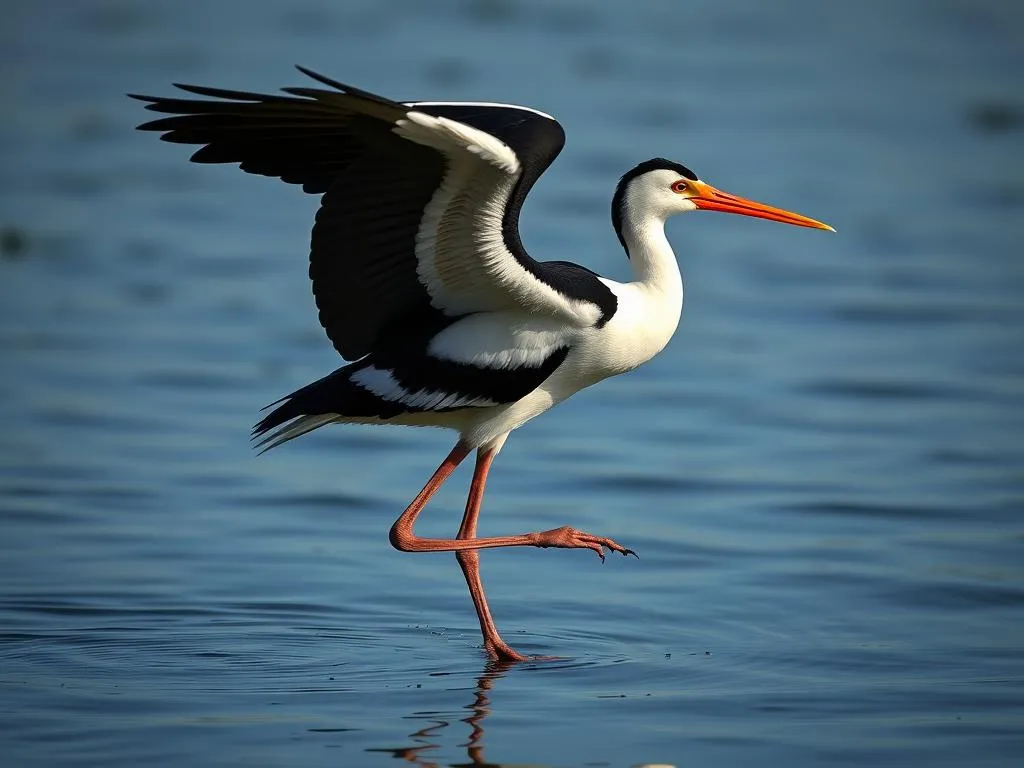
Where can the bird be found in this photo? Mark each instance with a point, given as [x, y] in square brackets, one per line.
[423, 285]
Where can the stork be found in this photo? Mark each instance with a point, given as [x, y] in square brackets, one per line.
[423, 283]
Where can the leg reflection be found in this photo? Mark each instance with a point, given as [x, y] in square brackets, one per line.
[426, 740]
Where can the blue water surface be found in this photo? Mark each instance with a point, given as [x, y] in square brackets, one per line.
[823, 474]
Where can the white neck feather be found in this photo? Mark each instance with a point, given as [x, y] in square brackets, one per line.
[650, 307]
[653, 261]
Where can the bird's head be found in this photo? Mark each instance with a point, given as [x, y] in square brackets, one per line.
[661, 188]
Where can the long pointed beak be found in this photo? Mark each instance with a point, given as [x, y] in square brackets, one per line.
[710, 199]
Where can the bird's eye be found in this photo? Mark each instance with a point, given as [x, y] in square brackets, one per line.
[680, 187]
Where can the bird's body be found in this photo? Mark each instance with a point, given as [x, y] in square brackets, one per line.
[562, 359]
[422, 281]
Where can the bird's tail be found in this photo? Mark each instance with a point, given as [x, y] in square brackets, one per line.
[334, 398]
[265, 436]
[296, 414]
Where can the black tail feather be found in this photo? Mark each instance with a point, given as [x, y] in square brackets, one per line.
[333, 394]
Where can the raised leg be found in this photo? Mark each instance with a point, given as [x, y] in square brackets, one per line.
[469, 561]
[404, 538]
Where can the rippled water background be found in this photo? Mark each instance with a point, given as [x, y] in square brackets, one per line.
[823, 474]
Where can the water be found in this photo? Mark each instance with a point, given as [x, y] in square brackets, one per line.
[822, 474]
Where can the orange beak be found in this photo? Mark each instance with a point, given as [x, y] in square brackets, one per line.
[708, 198]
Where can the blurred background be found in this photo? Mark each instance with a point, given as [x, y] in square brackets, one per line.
[823, 473]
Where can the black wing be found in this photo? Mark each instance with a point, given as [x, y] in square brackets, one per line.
[421, 206]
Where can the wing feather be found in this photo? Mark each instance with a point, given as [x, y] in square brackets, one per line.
[419, 216]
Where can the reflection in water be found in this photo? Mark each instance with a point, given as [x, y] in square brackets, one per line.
[425, 738]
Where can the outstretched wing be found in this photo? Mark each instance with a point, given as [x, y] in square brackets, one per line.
[420, 210]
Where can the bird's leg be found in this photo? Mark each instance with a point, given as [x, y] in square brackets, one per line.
[403, 538]
[469, 561]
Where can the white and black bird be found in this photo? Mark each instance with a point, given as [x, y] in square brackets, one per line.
[422, 281]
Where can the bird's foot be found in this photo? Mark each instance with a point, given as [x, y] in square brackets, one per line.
[569, 538]
[502, 652]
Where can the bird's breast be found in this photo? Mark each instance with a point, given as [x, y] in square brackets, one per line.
[641, 327]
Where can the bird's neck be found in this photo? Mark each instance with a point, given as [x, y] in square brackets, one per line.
[653, 262]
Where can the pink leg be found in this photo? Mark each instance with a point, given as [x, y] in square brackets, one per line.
[469, 560]
[403, 537]
[466, 544]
